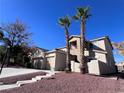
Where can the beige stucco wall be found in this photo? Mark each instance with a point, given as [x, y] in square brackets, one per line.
[38, 59]
[76, 51]
[56, 60]
[106, 59]
[101, 57]
[101, 65]
[51, 58]
[38, 53]
[63, 49]
[60, 60]
[37, 64]
[52, 54]
[110, 57]
[93, 67]
[75, 66]
[100, 44]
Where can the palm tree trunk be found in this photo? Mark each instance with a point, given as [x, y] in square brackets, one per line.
[82, 56]
[68, 63]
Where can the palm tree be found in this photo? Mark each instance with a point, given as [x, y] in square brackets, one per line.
[65, 23]
[82, 15]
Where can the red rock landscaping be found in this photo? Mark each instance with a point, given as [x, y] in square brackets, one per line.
[71, 83]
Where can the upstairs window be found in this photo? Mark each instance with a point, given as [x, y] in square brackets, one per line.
[73, 44]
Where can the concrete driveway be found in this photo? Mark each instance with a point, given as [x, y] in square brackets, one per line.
[7, 72]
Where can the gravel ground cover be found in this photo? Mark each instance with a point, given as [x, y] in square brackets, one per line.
[71, 83]
[14, 79]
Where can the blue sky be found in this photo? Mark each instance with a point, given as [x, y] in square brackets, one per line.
[41, 18]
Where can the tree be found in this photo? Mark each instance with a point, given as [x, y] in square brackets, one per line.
[65, 23]
[2, 48]
[5, 42]
[1, 34]
[81, 15]
[2, 52]
[17, 33]
[16, 36]
[119, 47]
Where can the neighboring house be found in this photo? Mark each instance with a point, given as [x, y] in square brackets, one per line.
[120, 66]
[98, 56]
[48, 60]
[38, 58]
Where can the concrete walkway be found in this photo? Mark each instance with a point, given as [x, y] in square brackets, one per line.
[7, 72]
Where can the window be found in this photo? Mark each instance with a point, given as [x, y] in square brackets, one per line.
[73, 44]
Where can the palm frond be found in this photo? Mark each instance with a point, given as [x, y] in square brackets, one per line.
[65, 21]
[83, 12]
[75, 17]
[87, 16]
[61, 22]
[86, 9]
[80, 11]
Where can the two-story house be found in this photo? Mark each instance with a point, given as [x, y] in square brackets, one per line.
[98, 56]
